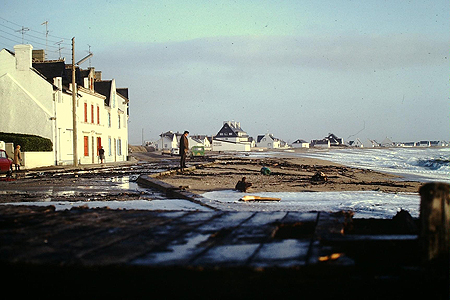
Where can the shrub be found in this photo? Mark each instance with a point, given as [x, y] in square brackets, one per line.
[27, 142]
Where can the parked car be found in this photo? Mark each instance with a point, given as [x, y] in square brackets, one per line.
[5, 162]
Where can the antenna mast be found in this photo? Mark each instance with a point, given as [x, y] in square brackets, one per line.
[59, 46]
[46, 39]
[23, 30]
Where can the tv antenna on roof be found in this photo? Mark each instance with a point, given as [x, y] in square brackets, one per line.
[59, 47]
[23, 30]
[46, 37]
[89, 52]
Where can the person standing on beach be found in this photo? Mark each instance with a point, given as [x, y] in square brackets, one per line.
[17, 157]
[184, 148]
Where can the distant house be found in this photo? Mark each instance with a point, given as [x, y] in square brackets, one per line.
[330, 140]
[356, 143]
[300, 144]
[231, 137]
[387, 143]
[437, 143]
[167, 141]
[269, 141]
[424, 144]
[408, 144]
[324, 143]
[334, 140]
[200, 140]
[370, 143]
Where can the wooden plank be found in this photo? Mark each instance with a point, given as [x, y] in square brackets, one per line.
[435, 221]
[258, 198]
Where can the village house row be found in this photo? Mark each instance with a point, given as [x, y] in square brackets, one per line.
[36, 98]
[231, 137]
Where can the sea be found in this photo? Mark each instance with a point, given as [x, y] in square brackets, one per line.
[417, 164]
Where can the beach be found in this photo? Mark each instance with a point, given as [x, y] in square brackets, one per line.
[287, 174]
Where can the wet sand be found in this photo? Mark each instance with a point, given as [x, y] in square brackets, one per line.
[288, 175]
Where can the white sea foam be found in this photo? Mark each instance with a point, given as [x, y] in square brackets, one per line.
[367, 204]
[419, 164]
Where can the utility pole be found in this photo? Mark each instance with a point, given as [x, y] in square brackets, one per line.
[74, 108]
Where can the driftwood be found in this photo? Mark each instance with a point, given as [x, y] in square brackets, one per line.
[434, 219]
[258, 198]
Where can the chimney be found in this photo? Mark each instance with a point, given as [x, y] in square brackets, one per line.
[23, 55]
[98, 75]
[38, 55]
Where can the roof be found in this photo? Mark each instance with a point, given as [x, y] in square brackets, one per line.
[229, 131]
[51, 70]
[104, 88]
[123, 92]
[299, 141]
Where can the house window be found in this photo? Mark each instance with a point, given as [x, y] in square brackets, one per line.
[98, 114]
[85, 112]
[86, 146]
[119, 147]
[109, 119]
[92, 113]
[118, 120]
[109, 146]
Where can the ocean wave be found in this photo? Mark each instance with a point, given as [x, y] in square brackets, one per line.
[429, 164]
[434, 164]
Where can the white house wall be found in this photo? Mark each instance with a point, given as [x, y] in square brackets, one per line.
[111, 133]
[30, 105]
[221, 145]
[26, 99]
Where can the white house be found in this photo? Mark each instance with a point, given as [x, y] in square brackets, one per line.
[36, 98]
[370, 143]
[300, 144]
[356, 143]
[270, 142]
[424, 144]
[231, 137]
[387, 142]
[167, 141]
[199, 140]
[324, 143]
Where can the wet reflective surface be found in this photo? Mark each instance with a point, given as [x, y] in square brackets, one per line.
[96, 184]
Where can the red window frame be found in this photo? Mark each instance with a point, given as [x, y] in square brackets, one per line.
[86, 146]
[85, 112]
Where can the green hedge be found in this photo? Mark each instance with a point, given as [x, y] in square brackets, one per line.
[27, 142]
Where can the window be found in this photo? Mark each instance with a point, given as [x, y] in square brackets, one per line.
[92, 113]
[109, 119]
[86, 146]
[109, 146]
[119, 147]
[85, 112]
[118, 121]
[98, 114]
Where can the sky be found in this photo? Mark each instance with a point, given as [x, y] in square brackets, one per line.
[298, 69]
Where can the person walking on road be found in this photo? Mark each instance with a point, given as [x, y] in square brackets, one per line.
[101, 154]
[17, 157]
[184, 148]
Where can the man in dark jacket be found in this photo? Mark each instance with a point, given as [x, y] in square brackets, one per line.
[184, 148]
